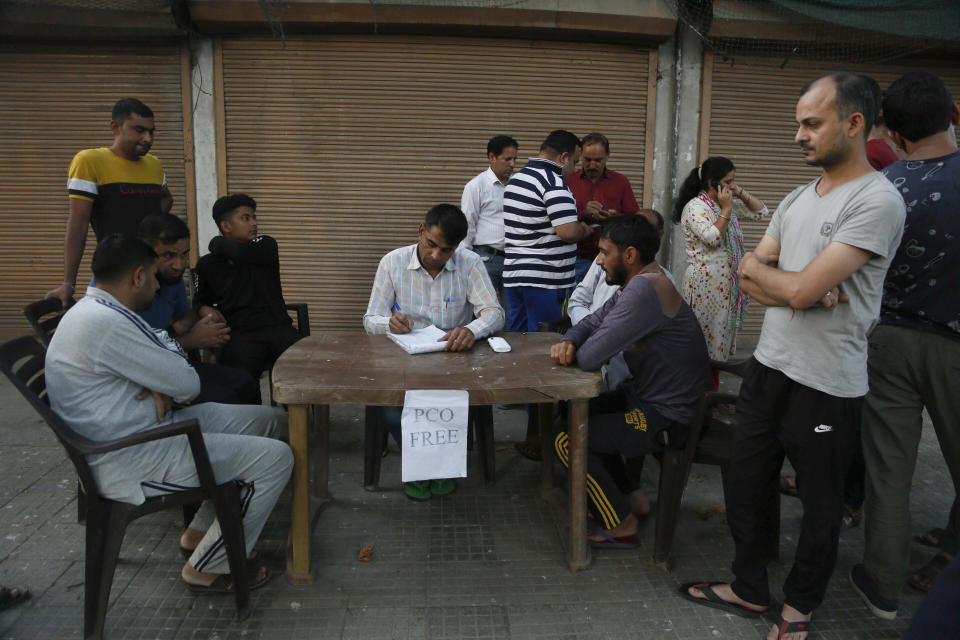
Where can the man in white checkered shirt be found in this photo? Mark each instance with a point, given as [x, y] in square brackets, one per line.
[433, 282]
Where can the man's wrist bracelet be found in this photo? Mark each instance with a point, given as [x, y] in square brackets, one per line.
[67, 284]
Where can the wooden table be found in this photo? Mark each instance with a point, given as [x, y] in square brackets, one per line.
[354, 368]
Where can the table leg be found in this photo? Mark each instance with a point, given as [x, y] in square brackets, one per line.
[578, 555]
[545, 425]
[298, 556]
[321, 448]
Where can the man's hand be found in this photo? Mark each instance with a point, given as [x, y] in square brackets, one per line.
[594, 211]
[459, 339]
[63, 293]
[563, 353]
[162, 402]
[832, 298]
[205, 311]
[400, 323]
[207, 332]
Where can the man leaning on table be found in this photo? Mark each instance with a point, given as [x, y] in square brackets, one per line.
[433, 282]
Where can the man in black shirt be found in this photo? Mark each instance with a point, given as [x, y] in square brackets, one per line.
[241, 278]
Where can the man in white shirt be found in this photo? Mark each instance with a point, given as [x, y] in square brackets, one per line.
[482, 204]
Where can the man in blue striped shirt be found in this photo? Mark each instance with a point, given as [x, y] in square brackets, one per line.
[541, 232]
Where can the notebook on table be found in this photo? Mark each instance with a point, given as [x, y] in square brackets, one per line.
[423, 340]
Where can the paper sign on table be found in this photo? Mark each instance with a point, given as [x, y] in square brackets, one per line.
[423, 340]
[434, 429]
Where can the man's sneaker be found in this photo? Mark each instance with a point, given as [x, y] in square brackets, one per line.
[865, 588]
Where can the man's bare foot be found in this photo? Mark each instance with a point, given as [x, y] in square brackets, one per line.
[192, 576]
[190, 538]
[639, 503]
[790, 615]
[727, 595]
[627, 527]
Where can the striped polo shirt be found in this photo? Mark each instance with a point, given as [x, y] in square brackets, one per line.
[535, 201]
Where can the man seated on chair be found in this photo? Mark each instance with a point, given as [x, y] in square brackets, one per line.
[109, 375]
[199, 328]
[240, 277]
[666, 356]
[433, 282]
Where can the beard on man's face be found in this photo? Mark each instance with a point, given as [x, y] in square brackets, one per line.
[617, 275]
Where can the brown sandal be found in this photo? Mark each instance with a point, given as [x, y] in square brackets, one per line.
[224, 582]
[923, 578]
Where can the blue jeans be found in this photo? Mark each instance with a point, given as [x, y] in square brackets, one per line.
[529, 306]
[581, 267]
[493, 263]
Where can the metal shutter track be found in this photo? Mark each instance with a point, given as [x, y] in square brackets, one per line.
[752, 122]
[55, 101]
[345, 142]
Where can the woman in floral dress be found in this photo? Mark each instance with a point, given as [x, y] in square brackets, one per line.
[713, 239]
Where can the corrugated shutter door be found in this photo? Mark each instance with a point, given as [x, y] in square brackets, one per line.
[345, 142]
[752, 122]
[55, 101]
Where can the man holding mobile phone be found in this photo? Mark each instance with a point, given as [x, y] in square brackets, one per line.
[601, 194]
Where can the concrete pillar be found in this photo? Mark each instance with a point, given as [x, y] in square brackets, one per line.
[204, 137]
[677, 133]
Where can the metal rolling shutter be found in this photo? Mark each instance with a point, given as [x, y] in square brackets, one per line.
[55, 101]
[751, 120]
[345, 142]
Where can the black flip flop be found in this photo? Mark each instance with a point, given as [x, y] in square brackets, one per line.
[715, 601]
[798, 626]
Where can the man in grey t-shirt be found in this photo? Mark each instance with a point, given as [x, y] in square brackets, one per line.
[820, 267]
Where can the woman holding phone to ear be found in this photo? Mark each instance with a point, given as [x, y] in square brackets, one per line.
[707, 208]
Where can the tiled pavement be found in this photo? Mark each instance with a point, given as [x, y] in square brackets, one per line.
[484, 562]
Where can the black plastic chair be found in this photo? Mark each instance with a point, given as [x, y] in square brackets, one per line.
[708, 442]
[44, 316]
[375, 440]
[22, 361]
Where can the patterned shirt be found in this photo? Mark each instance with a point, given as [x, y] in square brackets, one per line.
[460, 291]
[535, 201]
[922, 284]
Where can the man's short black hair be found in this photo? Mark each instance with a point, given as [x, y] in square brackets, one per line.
[498, 143]
[225, 206]
[162, 228]
[633, 231]
[117, 255]
[126, 107]
[853, 96]
[596, 138]
[918, 105]
[452, 222]
[561, 141]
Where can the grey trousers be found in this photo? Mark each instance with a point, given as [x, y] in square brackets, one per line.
[909, 370]
[240, 446]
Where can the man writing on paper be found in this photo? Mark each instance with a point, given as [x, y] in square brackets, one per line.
[433, 282]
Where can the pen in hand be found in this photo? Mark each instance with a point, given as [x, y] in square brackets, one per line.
[399, 323]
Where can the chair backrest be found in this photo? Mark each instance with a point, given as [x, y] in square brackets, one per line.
[44, 316]
[23, 362]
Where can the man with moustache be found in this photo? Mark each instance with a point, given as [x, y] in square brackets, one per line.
[601, 194]
[666, 355]
[199, 328]
[112, 188]
[820, 269]
[482, 204]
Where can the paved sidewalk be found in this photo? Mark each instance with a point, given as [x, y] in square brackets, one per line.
[484, 562]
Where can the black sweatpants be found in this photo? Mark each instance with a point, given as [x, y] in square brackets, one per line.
[226, 385]
[256, 351]
[818, 433]
[619, 428]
